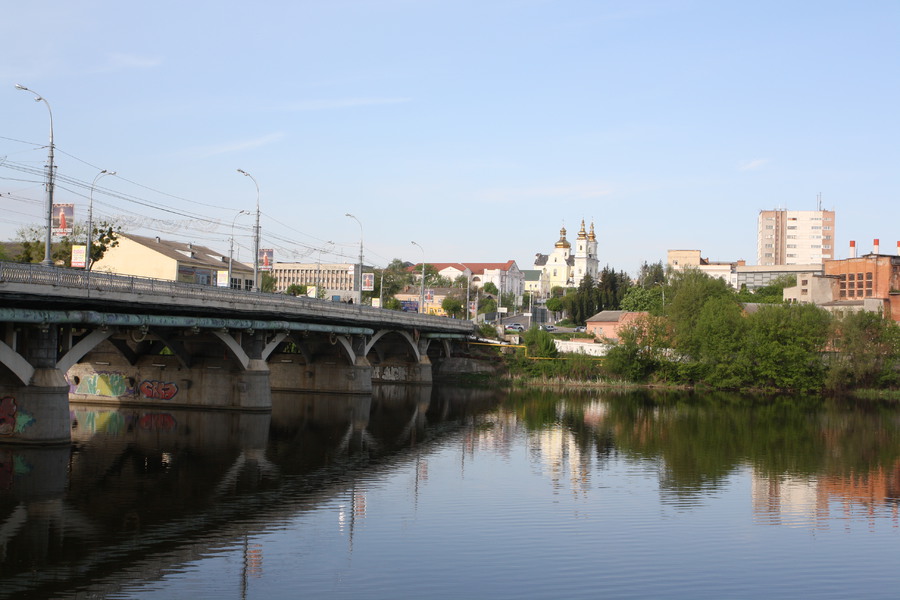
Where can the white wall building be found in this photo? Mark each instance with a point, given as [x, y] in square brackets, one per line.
[795, 237]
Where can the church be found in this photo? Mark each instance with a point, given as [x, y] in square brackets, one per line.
[565, 268]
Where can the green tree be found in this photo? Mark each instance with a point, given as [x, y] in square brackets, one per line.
[296, 289]
[866, 352]
[721, 331]
[640, 352]
[783, 347]
[612, 288]
[491, 288]
[540, 343]
[651, 274]
[689, 290]
[454, 307]
[773, 293]
[267, 282]
[32, 239]
[638, 298]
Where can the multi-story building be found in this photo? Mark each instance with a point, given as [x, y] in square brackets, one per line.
[507, 276]
[565, 268]
[329, 280]
[870, 282]
[795, 237]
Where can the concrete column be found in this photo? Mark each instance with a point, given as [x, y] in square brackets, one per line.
[37, 413]
[253, 390]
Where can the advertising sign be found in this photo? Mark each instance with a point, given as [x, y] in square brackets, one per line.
[222, 279]
[429, 295]
[409, 306]
[63, 219]
[368, 283]
[78, 256]
[266, 259]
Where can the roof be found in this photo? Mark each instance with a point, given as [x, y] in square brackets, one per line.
[475, 268]
[532, 274]
[540, 259]
[186, 254]
[608, 316]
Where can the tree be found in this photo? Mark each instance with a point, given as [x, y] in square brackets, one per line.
[641, 350]
[773, 293]
[267, 282]
[491, 288]
[721, 331]
[454, 307]
[540, 343]
[296, 289]
[612, 288]
[32, 239]
[689, 290]
[643, 299]
[866, 352]
[651, 274]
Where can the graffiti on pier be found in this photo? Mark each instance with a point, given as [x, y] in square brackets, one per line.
[158, 390]
[12, 420]
[103, 384]
[157, 422]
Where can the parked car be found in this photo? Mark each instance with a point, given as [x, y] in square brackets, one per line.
[549, 327]
[516, 326]
[580, 329]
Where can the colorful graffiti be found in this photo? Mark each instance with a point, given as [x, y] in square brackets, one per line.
[158, 390]
[12, 420]
[103, 384]
[157, 422]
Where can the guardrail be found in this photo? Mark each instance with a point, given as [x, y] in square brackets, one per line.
[40, 275]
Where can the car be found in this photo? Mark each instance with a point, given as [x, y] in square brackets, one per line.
[549, 328]
[516, 326]
[580, 329]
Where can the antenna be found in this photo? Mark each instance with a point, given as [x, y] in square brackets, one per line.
[819, 201]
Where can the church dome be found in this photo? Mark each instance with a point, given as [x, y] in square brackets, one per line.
[563, 243]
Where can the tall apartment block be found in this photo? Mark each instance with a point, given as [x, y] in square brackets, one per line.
[795, 237]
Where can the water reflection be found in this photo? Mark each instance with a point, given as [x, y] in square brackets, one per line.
[141, 493]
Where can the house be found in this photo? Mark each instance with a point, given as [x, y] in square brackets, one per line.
[507, 276]
[434, 297]
[607, 323]
[565, 268]
[172, 261]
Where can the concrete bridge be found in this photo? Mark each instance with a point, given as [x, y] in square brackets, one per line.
[66, 334]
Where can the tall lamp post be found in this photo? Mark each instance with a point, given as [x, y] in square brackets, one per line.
[49, 238]
[422, 285]
[231, 245]
[255, 235]
[359, 280]
[90, 224]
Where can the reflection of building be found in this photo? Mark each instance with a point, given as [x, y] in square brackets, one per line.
[172, 261]
[795, 237]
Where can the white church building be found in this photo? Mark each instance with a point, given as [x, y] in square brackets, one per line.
[566, 267]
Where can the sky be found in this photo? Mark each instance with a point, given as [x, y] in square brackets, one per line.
[476, 129]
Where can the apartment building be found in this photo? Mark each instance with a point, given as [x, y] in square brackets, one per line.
[795, 237]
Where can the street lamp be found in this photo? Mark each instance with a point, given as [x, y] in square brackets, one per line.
[255, 235]
[90, 226]
[422, 286]
[360, 254]
[231, 245]
[49, 238]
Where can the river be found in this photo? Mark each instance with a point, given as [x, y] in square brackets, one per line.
[416, 492]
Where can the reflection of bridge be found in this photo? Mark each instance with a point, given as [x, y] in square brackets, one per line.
[100, 337]
[147, 490]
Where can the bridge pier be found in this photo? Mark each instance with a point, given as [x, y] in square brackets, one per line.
[34, 396]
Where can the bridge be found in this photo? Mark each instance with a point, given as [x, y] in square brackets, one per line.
[67, 334]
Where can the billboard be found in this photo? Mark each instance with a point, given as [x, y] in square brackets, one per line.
[63, 219]
[266, 259]
[409, 306]
[78, 256]
[222, 279]
[429, 295]
[368, 282]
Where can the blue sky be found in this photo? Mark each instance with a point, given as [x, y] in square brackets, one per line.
[475, 128]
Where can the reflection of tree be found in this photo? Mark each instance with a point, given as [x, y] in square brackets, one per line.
[699, 440]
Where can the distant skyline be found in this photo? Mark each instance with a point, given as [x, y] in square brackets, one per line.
[476, 129]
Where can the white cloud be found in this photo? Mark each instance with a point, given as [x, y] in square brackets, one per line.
[229, 147]
[752, 165]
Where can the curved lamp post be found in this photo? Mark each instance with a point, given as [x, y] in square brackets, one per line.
[231, 245]
[358, 282]
[255, 235]
[422, 286]
[90, 224]
[49, 238]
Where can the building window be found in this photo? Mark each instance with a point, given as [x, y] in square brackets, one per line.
[869, 276]
[868, 292]
[792, 227]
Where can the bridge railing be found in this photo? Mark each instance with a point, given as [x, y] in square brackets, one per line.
[24, 273]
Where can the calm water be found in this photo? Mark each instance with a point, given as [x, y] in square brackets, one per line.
[421, 493]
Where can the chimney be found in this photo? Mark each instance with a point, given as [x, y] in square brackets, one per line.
[852, 248]
[875, 242]
[898, 248]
